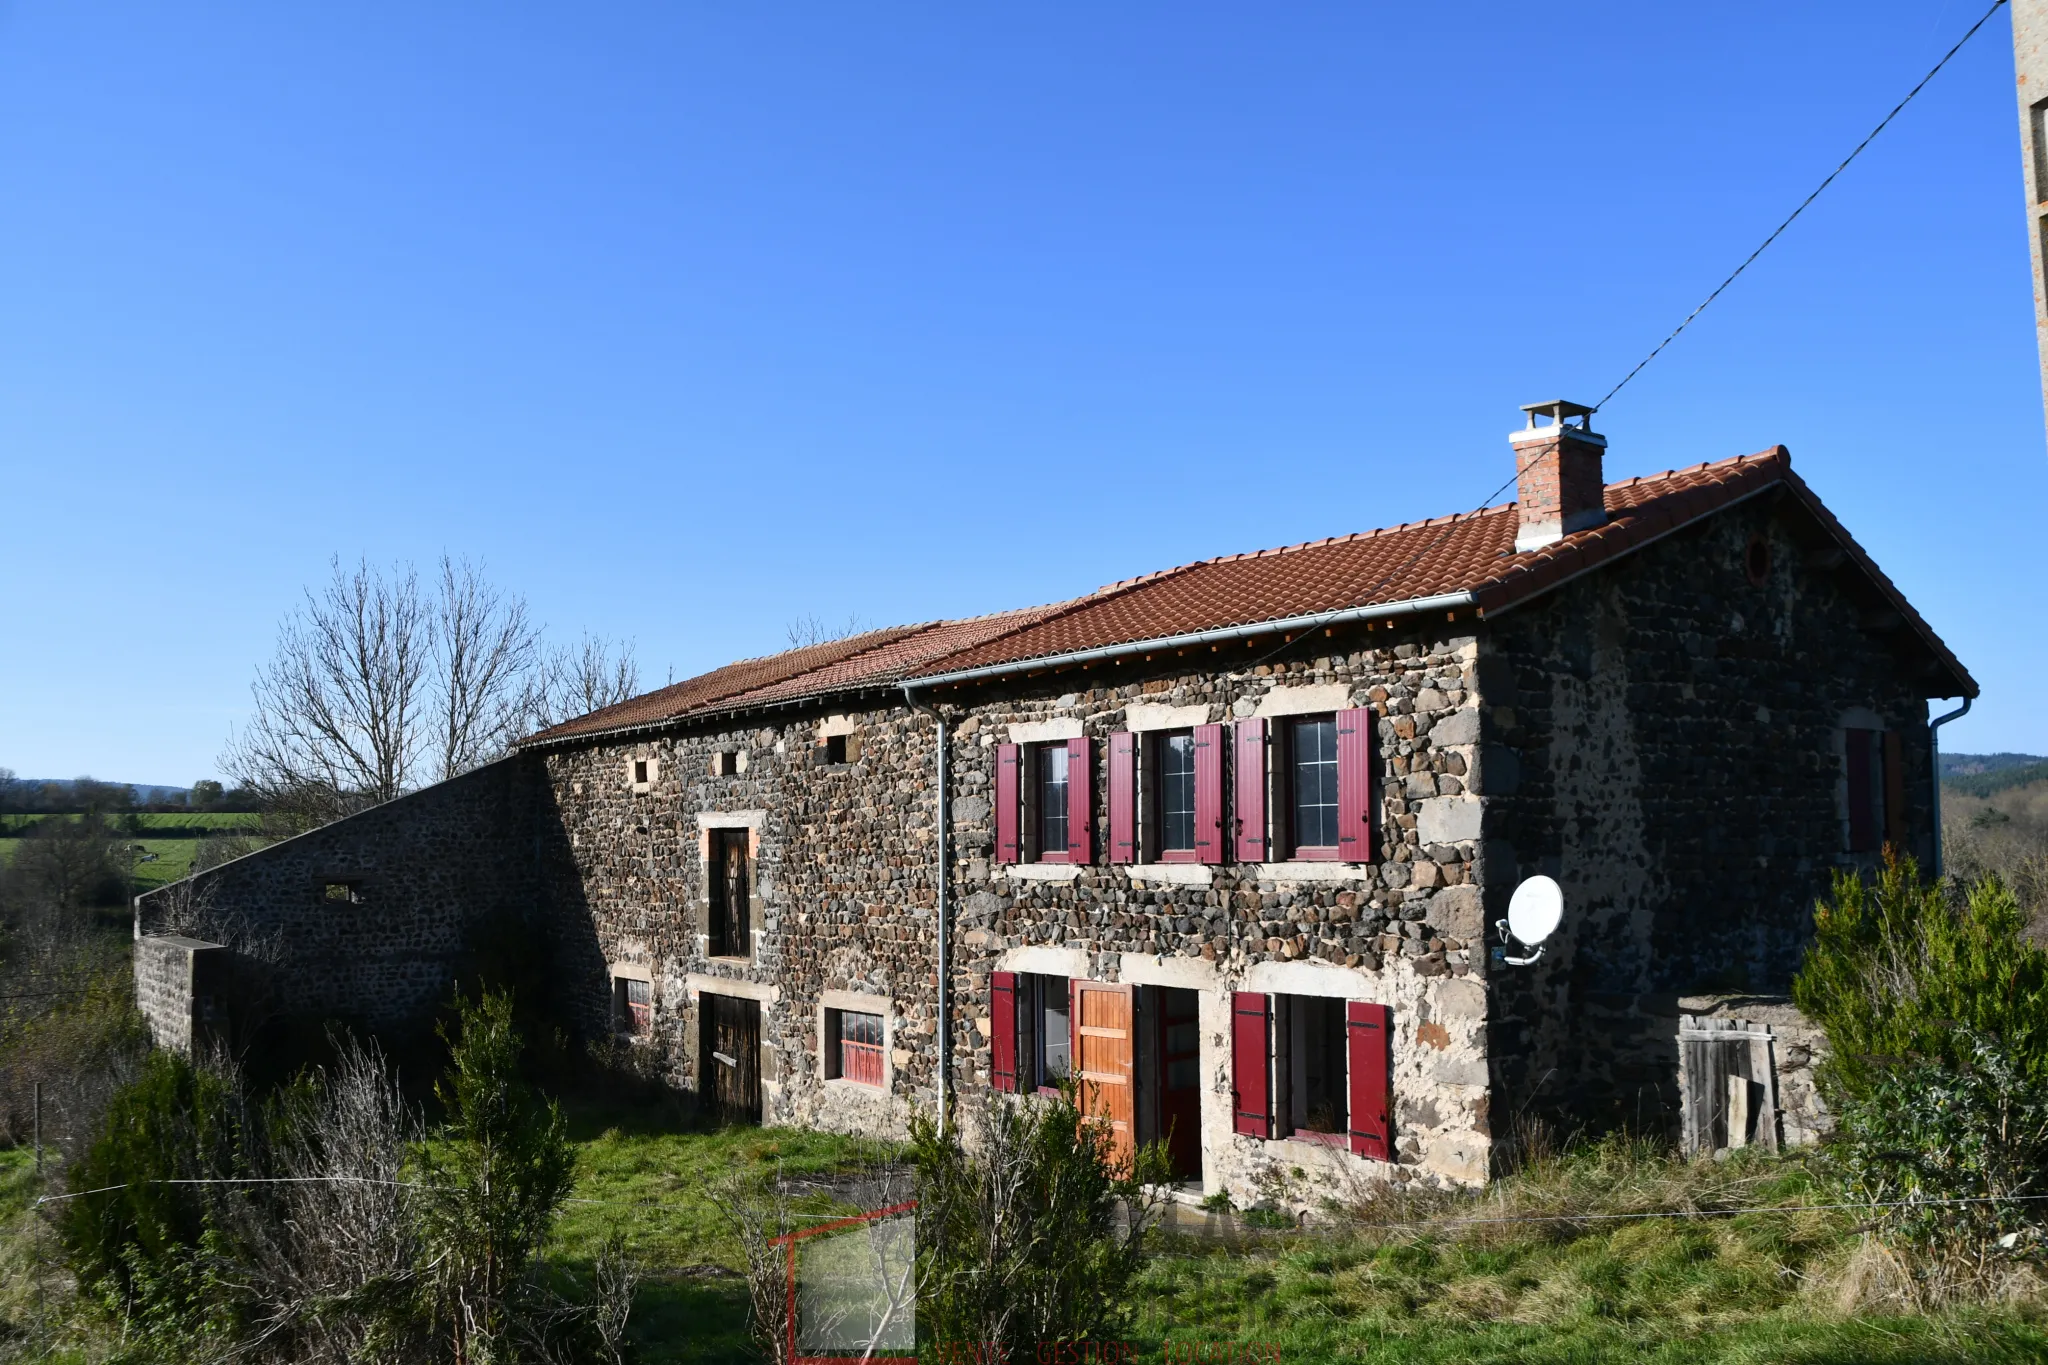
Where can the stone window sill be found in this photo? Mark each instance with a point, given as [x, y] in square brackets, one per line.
[837, 1084]
[1044, 872]
[1308, 872]
[1172, 874]
[1338, 1141]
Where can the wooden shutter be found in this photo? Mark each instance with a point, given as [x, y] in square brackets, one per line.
[1002, 1031]
[1081, 800]
[1862, 827]
[1248, 791]
[1369, 1067]
[1102, 1061]
[1354, 785]
[1894, 791]
[1009, 766]
[1209, 845]
[1123, 797]
[1251, 1052]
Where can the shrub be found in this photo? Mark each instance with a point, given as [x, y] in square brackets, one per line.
[1035, 1237]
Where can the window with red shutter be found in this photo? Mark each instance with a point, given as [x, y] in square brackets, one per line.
[1251, 1053]
[1370, 1063]
[1080, 800]
[1123, 797]
[1865, 791]
[1248, 791]
[1009, 761]
[1002, 1032]
[1894, 791]
[1209, 845]
[1354, 785]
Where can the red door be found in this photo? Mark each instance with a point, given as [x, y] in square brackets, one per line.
[1180, 1081]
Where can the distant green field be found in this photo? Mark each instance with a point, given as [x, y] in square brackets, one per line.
[12, 825]
[173, 855]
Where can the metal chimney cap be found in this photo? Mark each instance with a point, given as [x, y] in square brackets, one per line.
[1559, 412]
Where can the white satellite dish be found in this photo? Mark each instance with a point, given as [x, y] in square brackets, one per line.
[1533, 915]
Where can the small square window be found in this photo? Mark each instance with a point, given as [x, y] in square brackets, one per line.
[725, 764]
[632, 1006]
[834, 750]
[643, 773]
[853, 1047]
[640, 771]
[342, 893]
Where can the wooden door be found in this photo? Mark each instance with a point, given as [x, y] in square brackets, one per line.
[729, 1076]
[1180, 1081]
[729, 926]
[1102, 1060]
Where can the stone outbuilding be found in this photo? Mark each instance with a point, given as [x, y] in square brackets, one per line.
[1226, 842]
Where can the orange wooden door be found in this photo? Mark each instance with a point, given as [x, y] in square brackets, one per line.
[1102, 1060]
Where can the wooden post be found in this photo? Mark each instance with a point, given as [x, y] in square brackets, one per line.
[1738, 1111]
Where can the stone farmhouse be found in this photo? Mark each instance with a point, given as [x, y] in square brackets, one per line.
[1226, 842]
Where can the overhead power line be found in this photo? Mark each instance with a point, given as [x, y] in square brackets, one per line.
[1779, 231]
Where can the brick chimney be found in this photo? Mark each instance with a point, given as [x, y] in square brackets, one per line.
[1559, 488]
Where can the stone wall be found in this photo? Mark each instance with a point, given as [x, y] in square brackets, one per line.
[1664, 737]
[433, 884]
[170, 990]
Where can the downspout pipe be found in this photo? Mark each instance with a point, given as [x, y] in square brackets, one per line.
[1934, 758]
[945, 1035]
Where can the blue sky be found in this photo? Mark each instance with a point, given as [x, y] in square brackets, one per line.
[692, 320]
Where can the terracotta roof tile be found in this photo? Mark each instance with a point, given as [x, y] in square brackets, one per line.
[1471, 553]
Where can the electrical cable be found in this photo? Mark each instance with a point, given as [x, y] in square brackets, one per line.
[1779, 230]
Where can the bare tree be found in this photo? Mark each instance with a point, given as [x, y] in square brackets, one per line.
[594, 673]
[810, 629]
[486, 653]
[339, 707]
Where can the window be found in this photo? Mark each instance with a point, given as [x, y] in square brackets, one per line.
[1312, 783]
[643, 773]
[1314, 1069]
[1176, 769]
[632, 1006]
[1873, 763]
[728, 894]
[726, 763]
[835, 749]
[1049, 785]
[344, 893]
[853, 1047]
[1045, 1033]
[1756, 560]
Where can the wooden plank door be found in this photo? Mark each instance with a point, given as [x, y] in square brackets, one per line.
[1102, 1060]
[731, 1067]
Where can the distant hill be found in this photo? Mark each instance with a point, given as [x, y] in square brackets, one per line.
[1982, 775]
[145, 792]
[1964, 765]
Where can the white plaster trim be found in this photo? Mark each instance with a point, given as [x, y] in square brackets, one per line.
[1313, 978]
[1039, 731]
[1311, 872]
[1173, 874]
[835, 725]
[1042, 961]
[1140, 716]
[696, 983]
[708, 820]
[631, 971]
[1043, 872]
[1184, 973]
[1305, 700]
[857, 1002]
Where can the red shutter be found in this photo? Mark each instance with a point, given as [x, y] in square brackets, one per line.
[1370, 1069]
[1862, 828]
[1009, 759]
[1002, 1031]
[1209, 845]
[1123, 797]
[1354, 785]
[1894, 791]
[1250, 1052]
[1080, 800]
[1249, 794]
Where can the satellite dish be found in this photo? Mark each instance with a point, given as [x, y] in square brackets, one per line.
[1533, 915]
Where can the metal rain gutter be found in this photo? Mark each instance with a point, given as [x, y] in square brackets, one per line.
[1934, 757]
[1449, 601]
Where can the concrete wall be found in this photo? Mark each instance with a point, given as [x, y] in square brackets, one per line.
[1664, 737]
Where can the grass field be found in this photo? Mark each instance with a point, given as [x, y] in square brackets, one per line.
[173, 836]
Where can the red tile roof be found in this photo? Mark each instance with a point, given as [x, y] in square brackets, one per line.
[1470, 555]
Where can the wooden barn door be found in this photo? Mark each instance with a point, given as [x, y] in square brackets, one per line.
[1102, 1060]
[731, 1069]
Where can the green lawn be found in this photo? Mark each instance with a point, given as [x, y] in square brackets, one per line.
[173, 855]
